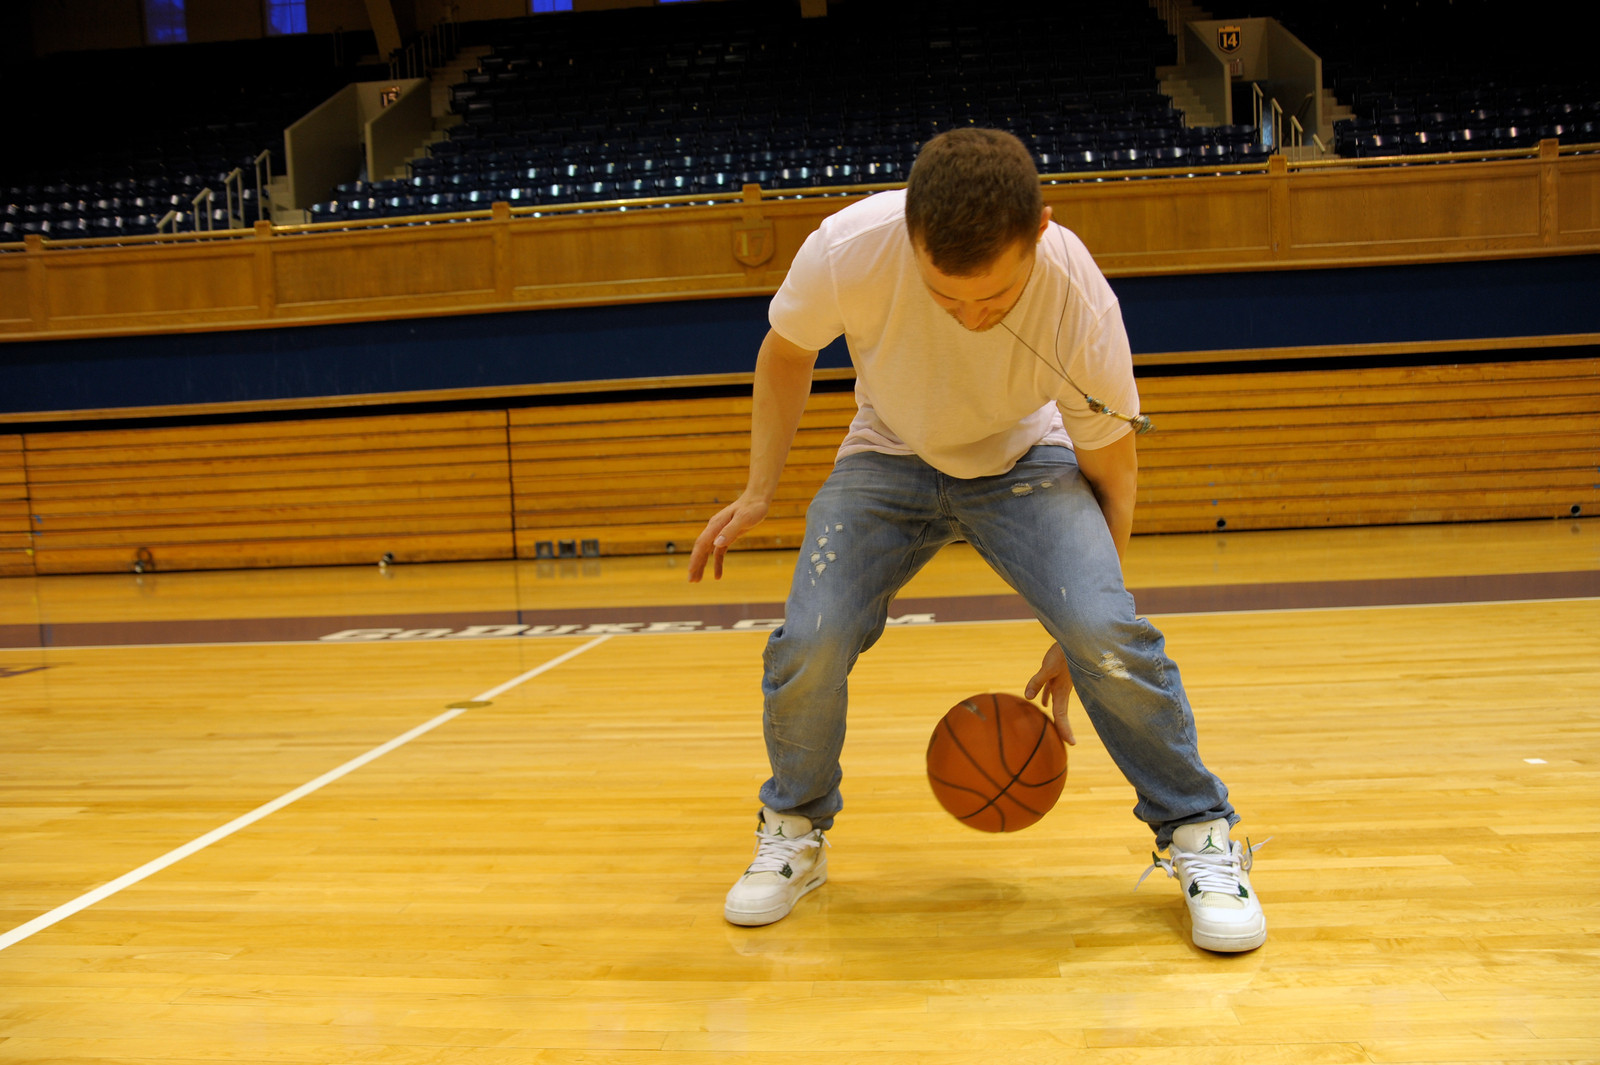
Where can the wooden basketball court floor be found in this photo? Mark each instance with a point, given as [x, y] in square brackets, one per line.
[487, 813]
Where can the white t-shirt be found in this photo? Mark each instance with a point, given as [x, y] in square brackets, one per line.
[969, 404]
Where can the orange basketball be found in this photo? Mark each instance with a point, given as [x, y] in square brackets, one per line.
[996, 763]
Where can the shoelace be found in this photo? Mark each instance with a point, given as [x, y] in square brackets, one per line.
[1212, 872]
[775, 852]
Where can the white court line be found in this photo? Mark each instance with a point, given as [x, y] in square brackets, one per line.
[105, 891]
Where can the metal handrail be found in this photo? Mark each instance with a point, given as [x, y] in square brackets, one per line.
[161, 238]
[203, 194]
[429, 49]
[708, 199]
[1487, 155]
[233, 193]
[256, 165]
[724, 199]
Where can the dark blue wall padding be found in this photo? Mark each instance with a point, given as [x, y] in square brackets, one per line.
[1372, 305]
[1195, 312]
[407, 355]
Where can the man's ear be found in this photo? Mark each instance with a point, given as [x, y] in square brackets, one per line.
[1044, 223]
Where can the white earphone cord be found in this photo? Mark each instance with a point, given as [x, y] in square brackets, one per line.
[1141, 424]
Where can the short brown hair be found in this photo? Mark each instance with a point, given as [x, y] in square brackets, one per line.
[973, 193]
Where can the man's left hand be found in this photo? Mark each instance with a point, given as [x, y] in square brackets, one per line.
[1054, 680]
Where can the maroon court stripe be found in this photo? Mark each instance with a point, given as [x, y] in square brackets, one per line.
[1294, 595]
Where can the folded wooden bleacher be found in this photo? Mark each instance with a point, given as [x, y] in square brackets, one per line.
[1242, 450]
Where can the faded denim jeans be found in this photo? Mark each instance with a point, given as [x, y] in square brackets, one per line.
[879, 519]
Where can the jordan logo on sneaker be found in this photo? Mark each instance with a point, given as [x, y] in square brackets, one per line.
[787, 872]
[1194, 890]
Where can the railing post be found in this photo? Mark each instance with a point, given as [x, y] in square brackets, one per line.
[231, 185]
[1549, 220]
[261, 202]
[1278, 204]
[265, 275]
[500, 214]
[38, 283]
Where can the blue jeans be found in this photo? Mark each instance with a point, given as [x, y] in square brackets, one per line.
[879, 519]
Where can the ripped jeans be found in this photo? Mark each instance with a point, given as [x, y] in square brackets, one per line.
[879, 519]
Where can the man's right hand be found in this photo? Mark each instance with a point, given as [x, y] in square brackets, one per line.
[729, 523]
[778, 398]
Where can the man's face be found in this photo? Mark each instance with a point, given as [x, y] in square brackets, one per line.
[980, 302]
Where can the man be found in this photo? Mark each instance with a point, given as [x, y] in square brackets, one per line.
[972, 320]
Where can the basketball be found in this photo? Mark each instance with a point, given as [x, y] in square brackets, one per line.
[996, 763]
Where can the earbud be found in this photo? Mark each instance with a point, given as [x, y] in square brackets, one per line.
[1141, 424]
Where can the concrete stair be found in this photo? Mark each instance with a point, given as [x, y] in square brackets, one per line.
[453, 73]
[440, 80]
[1179, 91]
[276, 193]
[1332, 111]
[1184, 98]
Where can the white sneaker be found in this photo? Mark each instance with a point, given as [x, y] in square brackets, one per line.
[790, 861]
[1224, 912]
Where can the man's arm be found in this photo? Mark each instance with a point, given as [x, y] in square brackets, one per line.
[1113, 473]
[782, 385]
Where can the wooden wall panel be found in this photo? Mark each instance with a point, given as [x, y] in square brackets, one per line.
[576, 259]
[16, 541]
[1419, 208]
[1210, 220]
[103, 287]
[16, 311]
[429, 487]
[1578, 203]
[319, 274]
